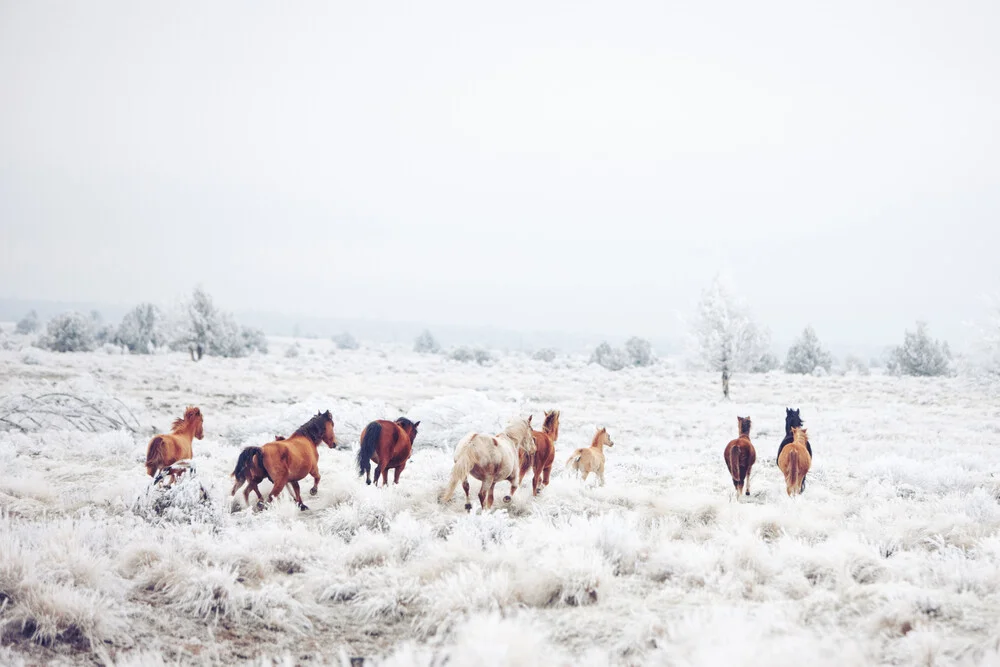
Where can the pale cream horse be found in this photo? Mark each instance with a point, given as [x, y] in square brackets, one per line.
[490, 459]
[591, 459]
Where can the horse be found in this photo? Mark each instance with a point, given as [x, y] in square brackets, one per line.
[285, 461]
[388, 444]
[545, 452]
[794, 462]
[490, 459]
[591, 459]
[792, 420]
[740, 457]
[165, 449]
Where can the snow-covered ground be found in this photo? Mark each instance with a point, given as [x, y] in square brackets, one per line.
[891, 556]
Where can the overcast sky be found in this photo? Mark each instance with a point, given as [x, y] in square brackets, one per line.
[536, 165]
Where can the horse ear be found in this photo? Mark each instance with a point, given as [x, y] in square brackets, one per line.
[416, 424]
[529, 418]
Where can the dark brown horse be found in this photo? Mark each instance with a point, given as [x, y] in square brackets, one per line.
[388, 444]
[740, 457]
[545, 452]
[285, 461]
[166, 449]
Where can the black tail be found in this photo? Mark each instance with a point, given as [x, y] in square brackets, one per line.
[369, 441]
[244, 462]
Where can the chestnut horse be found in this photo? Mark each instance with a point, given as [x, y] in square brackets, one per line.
[165, 450]
[388, 444]
[591, 459]
[794, 462]
[740, 457]
[792, 420]
[545, 452]
[285, 461]
[490, 459]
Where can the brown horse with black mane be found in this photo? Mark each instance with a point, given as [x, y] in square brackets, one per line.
[545, 452]
[740, 456]
[794, 461]
[165, 450]
[388, 444]
[285, 461]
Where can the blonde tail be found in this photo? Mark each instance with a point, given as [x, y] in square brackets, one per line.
[459, 473]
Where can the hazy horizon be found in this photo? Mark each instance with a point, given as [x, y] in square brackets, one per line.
[559, 167]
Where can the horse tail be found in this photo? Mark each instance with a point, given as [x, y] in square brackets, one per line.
[734, 465]
[245, 463]
[369, 441]
[793, 472]
[573, 461]
[463, 466]
[154, 455]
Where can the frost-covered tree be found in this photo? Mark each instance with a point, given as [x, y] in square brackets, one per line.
[920, 355]
[611, 358]
[855, 364]
[203, 328]
[639, 351]
[984, 359]
[426, 343]
[545, 354]
[69, 332]
[806, 355]
[462, 354]
[141, 330]
[28, 324]
[345, 341]
[726, 339]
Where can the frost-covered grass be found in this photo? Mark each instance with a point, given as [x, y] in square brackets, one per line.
[891, 556]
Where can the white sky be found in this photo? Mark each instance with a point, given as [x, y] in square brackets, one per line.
[532, 165]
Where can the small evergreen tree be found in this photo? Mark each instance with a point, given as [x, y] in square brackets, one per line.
[426, 343]
[141, 330]
[920, 355]
[345, 341]
[639, 351]
[545, 354]
[69, 332]
[806, 355]
[609, 357]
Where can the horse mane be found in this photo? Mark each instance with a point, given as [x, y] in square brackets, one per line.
[597, 436]
[181, 423]
[800, 435]
[550, 419]
[745, 427]
[314, 428]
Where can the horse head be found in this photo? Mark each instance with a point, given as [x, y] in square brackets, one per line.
[603, 438]
[329, 437]
[193, 416]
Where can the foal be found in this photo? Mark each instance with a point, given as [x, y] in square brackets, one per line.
[167, 449]
[545, 452]
[794, 462]
[740, 457]
[591, 459]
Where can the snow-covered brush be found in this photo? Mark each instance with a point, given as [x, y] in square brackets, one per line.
[185, 501]
[59, 410]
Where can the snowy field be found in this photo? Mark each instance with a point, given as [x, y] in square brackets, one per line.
[892, 556]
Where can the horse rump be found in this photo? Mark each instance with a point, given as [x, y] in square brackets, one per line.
[154, 455]
[249, 464]
[369, 442]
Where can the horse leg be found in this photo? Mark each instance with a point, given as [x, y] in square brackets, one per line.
[514, 480]
[378, 472]
[536, 481]
[600, 474]
[280, 480]
[298, 495]
[746, 480]
[397, 472]
[489, 497]
[545, 475]
[482, 493]
[385, 475]
[315, 475]
[468, 501]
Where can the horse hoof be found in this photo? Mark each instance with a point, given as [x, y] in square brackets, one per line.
[368, 482]
[468, 507]
[260, 505]
[313, 492]
[506, 499]
[302, 506]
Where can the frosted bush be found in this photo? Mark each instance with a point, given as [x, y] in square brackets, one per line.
[482, 356]
[346, 341]
[462, 354]
[69, 332]
[200, 325]
[426, 343]
[806, 355]
[639, 351]
[545, 354]
[28, 324]
[609, 357]
[920, 355]
[855, 364]
[292, 351]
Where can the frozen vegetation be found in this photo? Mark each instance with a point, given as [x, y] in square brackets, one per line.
[892, 556]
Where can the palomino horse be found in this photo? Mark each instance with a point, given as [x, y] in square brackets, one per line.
[794, 462]
[490, 459]
[285, 461]
[545, 452]
[591, 459]
[388, 444]
[792, 420]
[740, 457]
[167, 449]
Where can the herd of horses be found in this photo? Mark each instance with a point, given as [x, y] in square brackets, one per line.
[504, 457]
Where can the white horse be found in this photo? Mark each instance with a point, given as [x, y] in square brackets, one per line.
[490, 459]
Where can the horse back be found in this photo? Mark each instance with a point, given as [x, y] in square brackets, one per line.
[396, 442]
[545, 450]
